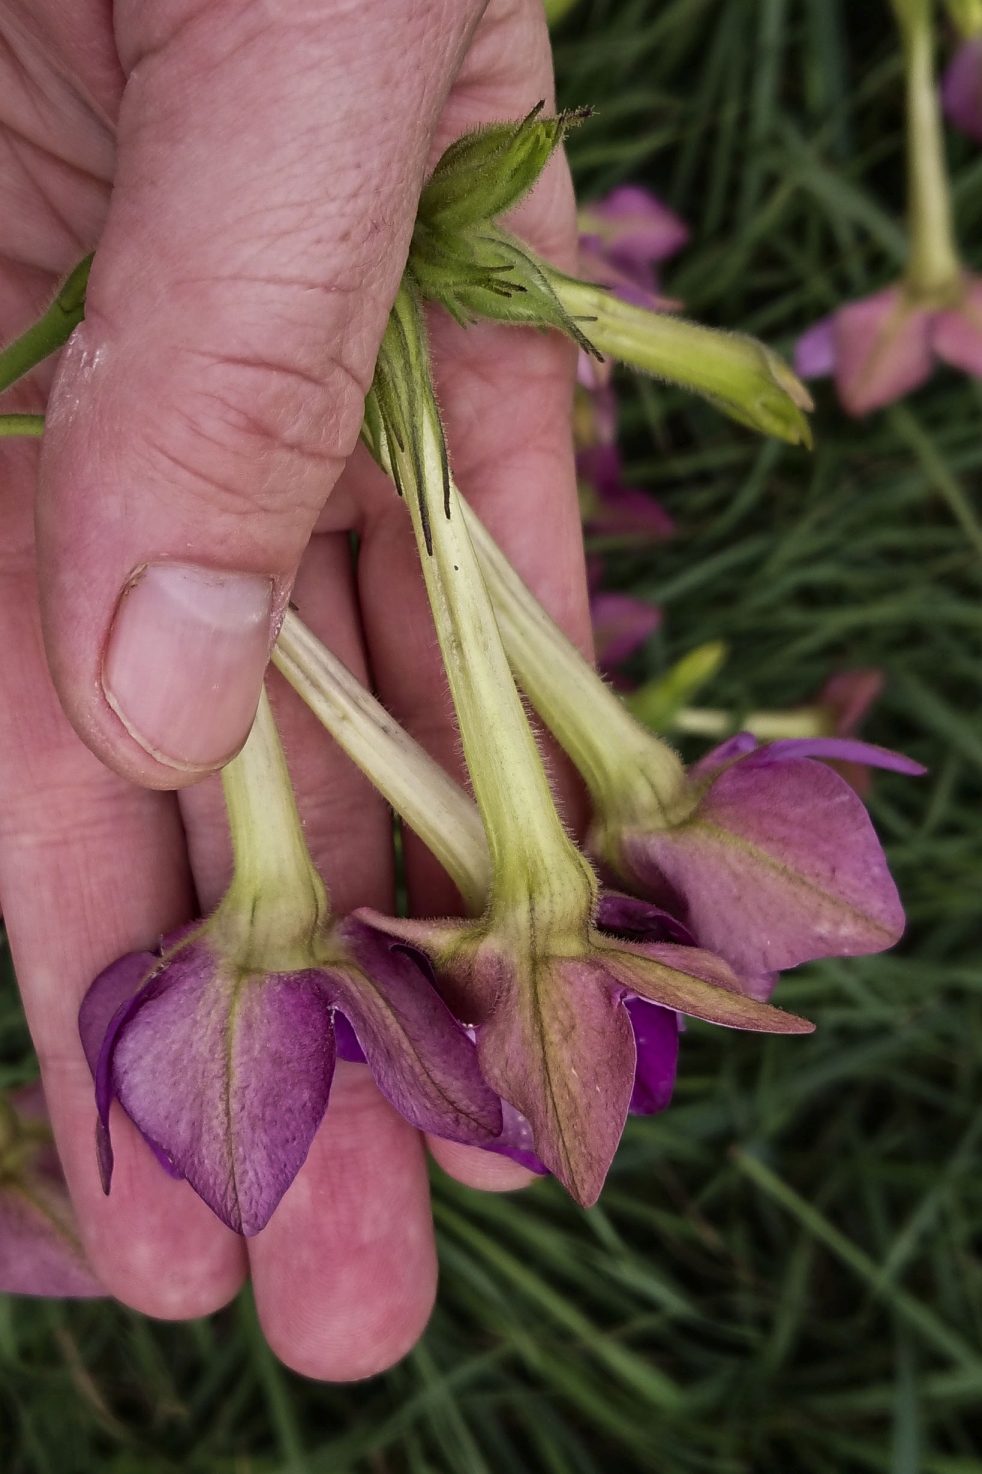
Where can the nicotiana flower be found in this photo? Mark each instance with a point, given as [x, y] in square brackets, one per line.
[621, 625]
[766, 855]
[543, 987]
[40, 1252]
[880, 348]
[622, 237]
[442, 814]
[221, 1045]
[961, 86]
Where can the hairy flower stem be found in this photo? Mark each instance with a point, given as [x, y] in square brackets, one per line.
[588, 719]
[425, 797]
[534, 863]
[934, 269]
[736, 373]
[276, 903]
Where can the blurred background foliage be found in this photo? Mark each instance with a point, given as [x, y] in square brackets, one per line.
[783, 1273]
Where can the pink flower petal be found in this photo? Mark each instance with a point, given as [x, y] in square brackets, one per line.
[882, 350]
[814, 352]
[957, 332]
[961, 89]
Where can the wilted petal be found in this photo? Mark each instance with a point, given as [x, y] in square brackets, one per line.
[421, 1058]
[882, 350]
[656, 1038]
[229, 1076]
[621, 625]
[814, 352]
[40, 1252]
[956, 334]
[778, 864]
[961, 89]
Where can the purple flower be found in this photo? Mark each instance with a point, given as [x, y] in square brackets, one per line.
[615, 512]
[569, 1033]
[621, 624]
[847, 697]
[226, 1071]
[772, 860]
[221, 1046]
[40, 1252]
[622, 236]
[961, 89]
[884, 346]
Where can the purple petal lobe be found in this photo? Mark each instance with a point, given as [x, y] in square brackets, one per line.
[882, 350]
[656, 1037]
[559, 1045]
[845, 749]
[639, 921]
[814, 352]
[621, 625]
[634, 227]
[228, 1074]
[516, 1141]
[692, 981]
[346, 1041]
[957, 332]
[961, 89]
[421, 1058]
[778, 864]
[114, 987]
[736, 746]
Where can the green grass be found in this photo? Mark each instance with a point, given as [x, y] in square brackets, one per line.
[783, 1273]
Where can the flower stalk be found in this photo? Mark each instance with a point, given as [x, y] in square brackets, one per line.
[934, 270]
[424, 796]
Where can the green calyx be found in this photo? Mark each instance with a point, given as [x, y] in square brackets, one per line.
[459, 256]
[462, 259]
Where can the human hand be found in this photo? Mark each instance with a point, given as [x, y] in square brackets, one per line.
[250, 178]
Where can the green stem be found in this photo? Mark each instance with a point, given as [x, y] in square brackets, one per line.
[966, 15]
[590, 722]
[934, 268]
[738, 374]
[276, 902]
[50, 332]
[769, 726]
[422, 794]
[532, 857]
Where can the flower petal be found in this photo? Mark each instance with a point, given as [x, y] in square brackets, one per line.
[559, 1046]
[421, 1058]
[814, 352]
[778, 864]
[882, 350]
[957, 332]
[639, 921]
[634, 226]
[961, 88]
[229, 1074]
[656, 1037]
[516, 1141]
[698, 983]
[843, 749]
[39, 1251]
[621, 625]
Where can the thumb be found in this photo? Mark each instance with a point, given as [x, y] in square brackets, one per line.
[269, 163]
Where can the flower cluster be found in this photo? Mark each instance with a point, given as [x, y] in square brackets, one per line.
[532, 1025]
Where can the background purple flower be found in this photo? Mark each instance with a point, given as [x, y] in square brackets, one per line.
[961, 89]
